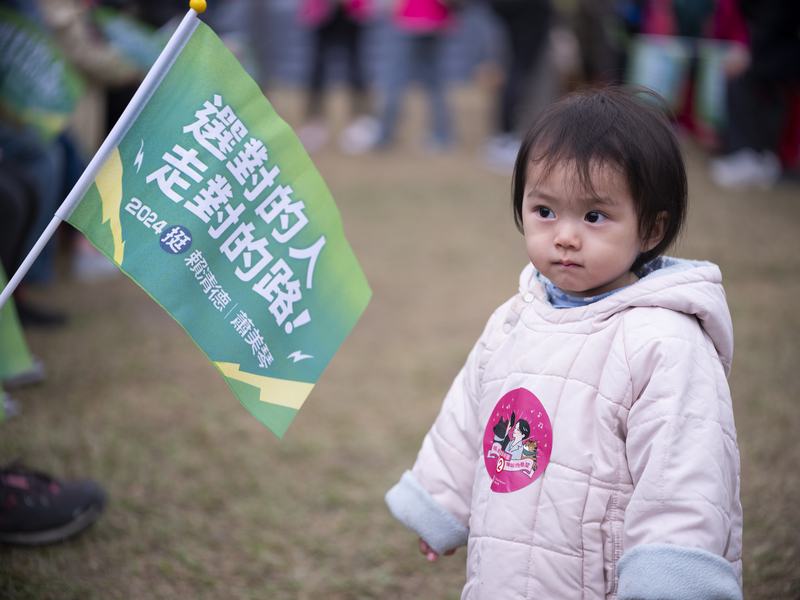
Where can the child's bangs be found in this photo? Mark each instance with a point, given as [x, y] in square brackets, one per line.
[587, 144]
[558, 151]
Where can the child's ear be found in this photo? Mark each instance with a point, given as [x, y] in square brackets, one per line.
[659, 229]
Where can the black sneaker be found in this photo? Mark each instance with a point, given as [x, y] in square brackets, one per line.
[37, 509]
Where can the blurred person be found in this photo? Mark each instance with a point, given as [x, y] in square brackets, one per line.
[337, 24]
[68, 23]
[763, 88]
[609, 368]
[234, 22]
[35, 508]
[683, 51]
[603, 29]
[420, 27]
[526, 25]
[18, 209]
[32, 190]
[44, 159]
[258, 19]
[154, 13]
[19, 206]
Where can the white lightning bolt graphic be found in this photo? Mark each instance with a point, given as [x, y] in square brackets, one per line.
[139, 158]
[297, 356]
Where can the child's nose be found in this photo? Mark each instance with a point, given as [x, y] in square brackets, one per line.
[567, 236]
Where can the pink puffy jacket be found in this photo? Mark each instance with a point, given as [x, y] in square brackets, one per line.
[623, 481]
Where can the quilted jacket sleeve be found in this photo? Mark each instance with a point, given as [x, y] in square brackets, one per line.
[684, 461]
[434, 498]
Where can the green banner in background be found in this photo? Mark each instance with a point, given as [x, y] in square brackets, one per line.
[38, 88]
[135, 40]
[213, 207]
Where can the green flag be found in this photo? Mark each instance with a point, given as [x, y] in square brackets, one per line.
[209, 202]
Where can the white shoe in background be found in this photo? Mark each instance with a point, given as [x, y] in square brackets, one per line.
[11, 407]
[360, 136]
[746, 169]
[499, 154]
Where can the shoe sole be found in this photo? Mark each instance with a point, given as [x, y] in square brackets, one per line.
[59, 534]
[36, 374]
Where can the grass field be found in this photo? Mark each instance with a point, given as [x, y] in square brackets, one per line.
[206, 503]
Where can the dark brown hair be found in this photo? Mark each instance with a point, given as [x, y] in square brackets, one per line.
[621, 127]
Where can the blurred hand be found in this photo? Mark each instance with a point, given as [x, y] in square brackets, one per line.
[429, 553]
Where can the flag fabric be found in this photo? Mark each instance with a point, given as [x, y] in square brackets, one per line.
[211, 205]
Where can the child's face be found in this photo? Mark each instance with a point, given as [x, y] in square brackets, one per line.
[584, 243]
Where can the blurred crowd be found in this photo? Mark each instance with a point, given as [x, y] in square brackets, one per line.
[728, 69]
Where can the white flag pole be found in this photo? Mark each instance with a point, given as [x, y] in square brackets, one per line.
[148, 86]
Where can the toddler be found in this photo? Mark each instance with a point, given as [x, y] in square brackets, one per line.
[587, 449]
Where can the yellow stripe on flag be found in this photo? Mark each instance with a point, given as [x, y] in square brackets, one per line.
[109, 184]
[291, 394]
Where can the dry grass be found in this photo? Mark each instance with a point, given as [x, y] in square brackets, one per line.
[206, 503]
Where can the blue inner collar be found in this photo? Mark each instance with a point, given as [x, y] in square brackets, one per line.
[559, 299]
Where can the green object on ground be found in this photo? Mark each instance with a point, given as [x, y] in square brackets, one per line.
[15, 356]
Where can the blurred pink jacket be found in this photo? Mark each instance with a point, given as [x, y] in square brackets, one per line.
[640, 498]
[421, 16]
[725, 23]
[315, 12]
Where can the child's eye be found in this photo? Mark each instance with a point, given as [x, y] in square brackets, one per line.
[595, 217]
[544, 212]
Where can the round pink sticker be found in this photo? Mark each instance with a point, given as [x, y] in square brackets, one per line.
[517, 441]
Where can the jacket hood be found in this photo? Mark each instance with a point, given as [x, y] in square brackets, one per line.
[687, 286]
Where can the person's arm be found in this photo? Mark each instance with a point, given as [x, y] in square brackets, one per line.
[439, 531]
[97, 60]
[667, 571]
[682, 528]
[434, 498]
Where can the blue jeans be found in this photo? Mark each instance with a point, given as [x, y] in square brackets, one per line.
[420, 51]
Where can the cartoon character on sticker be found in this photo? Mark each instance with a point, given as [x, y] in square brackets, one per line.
[517, 442]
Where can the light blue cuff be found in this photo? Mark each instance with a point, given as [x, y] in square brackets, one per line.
[669, 572]
[414, 507]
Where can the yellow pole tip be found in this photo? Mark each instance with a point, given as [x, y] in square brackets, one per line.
[198, 6]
